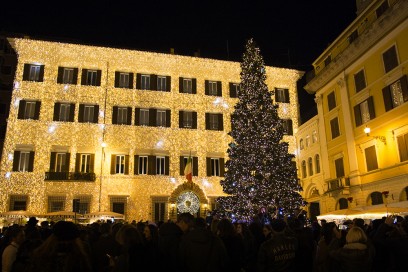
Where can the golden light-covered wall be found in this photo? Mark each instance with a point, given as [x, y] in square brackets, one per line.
[44, 135]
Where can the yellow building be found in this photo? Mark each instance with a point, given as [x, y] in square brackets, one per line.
[104, 129]
[361, 91]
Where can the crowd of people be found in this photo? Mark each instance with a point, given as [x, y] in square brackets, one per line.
[197, 244]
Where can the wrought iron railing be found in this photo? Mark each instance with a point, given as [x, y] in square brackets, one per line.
[69, 176]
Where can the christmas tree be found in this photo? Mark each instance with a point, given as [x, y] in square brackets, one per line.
[260, 171]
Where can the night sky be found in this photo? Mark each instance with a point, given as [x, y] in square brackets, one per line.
[290, 34]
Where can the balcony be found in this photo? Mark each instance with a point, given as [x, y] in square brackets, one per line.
[341, 184]
[69, 176]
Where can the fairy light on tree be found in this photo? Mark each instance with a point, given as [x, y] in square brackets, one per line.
[260, 170]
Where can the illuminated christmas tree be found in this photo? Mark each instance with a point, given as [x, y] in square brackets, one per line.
[260, 171]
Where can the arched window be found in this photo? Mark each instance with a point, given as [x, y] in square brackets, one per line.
[304, 174]
[314, 136]
[376, 198]
[343, 203]
[307, 141]
[301, 144]
[406, 193]
[317, 163]
[310, 163]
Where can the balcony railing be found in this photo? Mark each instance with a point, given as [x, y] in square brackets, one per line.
[70, 176]
[338, 183]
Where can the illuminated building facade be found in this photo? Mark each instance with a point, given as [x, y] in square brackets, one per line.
[361, 91]
[105, 129]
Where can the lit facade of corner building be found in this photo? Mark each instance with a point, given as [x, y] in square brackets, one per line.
[360, 81]
[104, 129]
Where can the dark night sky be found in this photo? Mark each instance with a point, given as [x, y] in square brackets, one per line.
[290, 33]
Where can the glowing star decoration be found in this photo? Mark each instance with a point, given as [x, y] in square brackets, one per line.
[173, 180]
[206, 183]
[101, 114]
[159, 144]
[225, 105]
[17, 102]
[7, 175]
[66, 87]
[188, 202]
[10, 157]
[217, 101]
[52, 128]
[16, 85]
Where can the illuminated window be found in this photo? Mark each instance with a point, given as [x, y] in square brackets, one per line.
[29, 109]
[118, 204]
[317, 163]
[314, 137]
[124, 80]
[160, 165]
[161, 118]
[67, 75]
[161, 83]
[142, 162]
[187, 85]
[310, 163]
[145, 82]
[301, 144]
[23, 161]
[396, 93]
[282, 95]
[304, 173]
[18, 202]
[119, 164]
[144, 117]
[364, 111]
[56, 203]
[91, 77]
[88, 113]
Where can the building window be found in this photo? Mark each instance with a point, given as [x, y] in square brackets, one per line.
[145, 82]
[159, 212]
[64, 112]
[67, 75]
[343, 203]
[88, 113]
[18, 202]
[310, 163]
[382, 8]
[307, 141]
[339, 167]
[194, 165]
[56, 203]
[364, 111]
[33, 72]
[214, 121]
[124, 80]
[122, 116]
[23, 161]
[353, 36]
[118, 204]
[235, 88]
[91, 77]
[371, 158]
[287, 127]
[304, 173]
[187, 85]
[213, 88]
[376, 198]
[390, 59]
[161, 83]
[396, 93]
[403, 147]
[317, 163]
[160, 165]
[331, 100]
[327, 60]
[81, 204]
[282, 95]
[188, 119]
[314, 136]
[334, 126]
[359, 81]
[144, 117]
[29, 110]
[301, 144]
[161, 118]
[119, 164]
[59, 162]
[86, 163]
[142, 162]
[215, 167]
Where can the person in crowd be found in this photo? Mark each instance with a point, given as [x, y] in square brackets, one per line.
[330, 240]
[105, 246]
[233, 243]
[45, 230]
[151, 236]
[9, 256]
[267, 231]
[249, 245]
[62, 251]
[355, 255]
[201, 250]
[279, 252]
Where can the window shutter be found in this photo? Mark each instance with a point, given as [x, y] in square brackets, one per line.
[222, 167]
[206, 88]
[207, 120]
[71, 112]
[168, 83]
[52, 161]
[220, 122]
[194, 87]
[16, 160]
[182, 166]
[92, 164]
[129, 115]
[233, 92]
[57, 107]
[181, 89]
[131, 80]
[371, 109]
[194, 120]
[219, 88]
[137, 117]
[387, 98]
[31, 161]
[357, 115]
[181, 119]
[98, 77]
[67, 161]
[371, 158]
[208, 167]
[287, 98]
[138, 81]
[37, 110]
[136, 165]
[21, 109]
[26, 73]
[153, 82]
[115, 115]
[168, 118]
[75, 76]
[117, 77]
[290, 127]
[404, 87]
[195, 166]
[126, 164]
[151, 165]
[60, 75]
[77, 162]
[96, 113]
[167, 165]
[83, 76]
[403, 147]
[81, 113]
[113, 164]
[41, 75]
[152, 117]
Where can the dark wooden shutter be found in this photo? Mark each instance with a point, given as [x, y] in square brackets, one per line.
[167, 165]
[67, 161]
[113, 164]
[168, 83]
[194, 87]
[371, 109]
[220, 122]
[81, 113]
[117, 78]
[78, 162]
[181, 119]
[57, 107]
[21, 109]
[194, 120]
[287, 98]
[232, 89]
[26, 73]
[357, 115]
[98, 77]
[92, 164]
[16, 160]
[182, 166]
[41, 75]
[129, 115]
[96, 113]
[52, 161]
[181, 89]
[83, 76]
[289, 126]
[131, 80]
[137, 117]
[75, 76]
[37, 110]
[126, 164]
[207, 120]
[71, 112]
[219, 88]
[222, 167]
[339, 168]
[151, 165]
[403, 147]
[153, 82]
[206, 88]
[60, 76]
[168, 118]
[208, 167]
[115, 115]
[387, 98]
[152, 117]
[136, 165]
[138, 81]
[195, 166]
[31, 161]
[404, 87]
